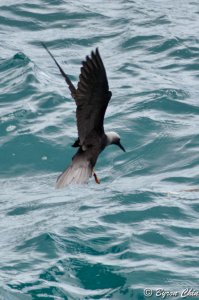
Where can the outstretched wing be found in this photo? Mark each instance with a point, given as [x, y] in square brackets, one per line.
[92, 96]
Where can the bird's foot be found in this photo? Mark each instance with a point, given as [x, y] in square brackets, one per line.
[96, 178]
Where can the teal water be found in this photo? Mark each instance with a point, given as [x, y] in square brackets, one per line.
[138, 229]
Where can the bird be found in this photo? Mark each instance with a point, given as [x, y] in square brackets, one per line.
[92, 97]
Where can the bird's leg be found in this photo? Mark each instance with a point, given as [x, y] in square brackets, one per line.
[96, 178]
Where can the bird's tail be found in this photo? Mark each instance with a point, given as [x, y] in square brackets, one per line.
[78, 173]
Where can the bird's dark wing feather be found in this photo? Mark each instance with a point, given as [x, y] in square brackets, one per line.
[92, 96]
[67, 79]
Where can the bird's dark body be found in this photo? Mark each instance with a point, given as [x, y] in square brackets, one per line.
[96, 144]
[92, 97]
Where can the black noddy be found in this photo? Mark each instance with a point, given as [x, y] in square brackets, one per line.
[91, 96]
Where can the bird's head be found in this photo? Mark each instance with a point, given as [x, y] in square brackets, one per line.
[114, 138]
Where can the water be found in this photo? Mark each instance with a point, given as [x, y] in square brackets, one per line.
[139, 228]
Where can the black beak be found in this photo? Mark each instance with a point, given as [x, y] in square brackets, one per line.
[121, 147]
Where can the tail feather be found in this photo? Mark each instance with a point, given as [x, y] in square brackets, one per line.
[77, 173]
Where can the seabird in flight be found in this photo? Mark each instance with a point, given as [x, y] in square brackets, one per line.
[91, 96]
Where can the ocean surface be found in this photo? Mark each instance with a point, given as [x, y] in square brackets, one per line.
[137, 233]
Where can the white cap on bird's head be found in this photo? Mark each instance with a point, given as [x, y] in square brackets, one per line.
[114, 138]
